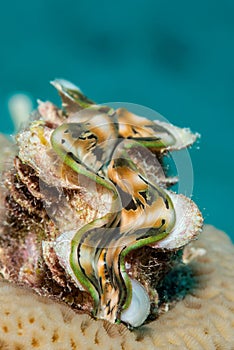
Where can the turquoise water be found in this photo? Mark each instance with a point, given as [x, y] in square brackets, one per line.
[176, 57]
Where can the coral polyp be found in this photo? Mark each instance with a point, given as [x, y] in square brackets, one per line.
[88, 200]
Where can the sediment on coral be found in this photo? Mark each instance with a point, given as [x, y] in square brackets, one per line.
[203, 320]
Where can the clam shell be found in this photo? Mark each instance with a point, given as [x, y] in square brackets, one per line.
[188, 223]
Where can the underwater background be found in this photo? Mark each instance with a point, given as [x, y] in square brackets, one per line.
[175, 57]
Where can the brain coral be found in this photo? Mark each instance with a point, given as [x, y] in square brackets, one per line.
[204, 319]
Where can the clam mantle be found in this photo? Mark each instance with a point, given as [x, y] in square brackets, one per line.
[89, 216]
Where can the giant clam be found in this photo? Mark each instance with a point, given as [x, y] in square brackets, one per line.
[88, 204]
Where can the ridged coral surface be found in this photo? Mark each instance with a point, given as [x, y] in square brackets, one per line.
[203, 320]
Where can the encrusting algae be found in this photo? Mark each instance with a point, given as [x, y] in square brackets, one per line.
[88, 217]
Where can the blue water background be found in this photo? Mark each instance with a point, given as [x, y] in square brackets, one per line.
[176, 57]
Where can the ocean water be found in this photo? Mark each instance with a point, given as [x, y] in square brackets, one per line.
[175, 57]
